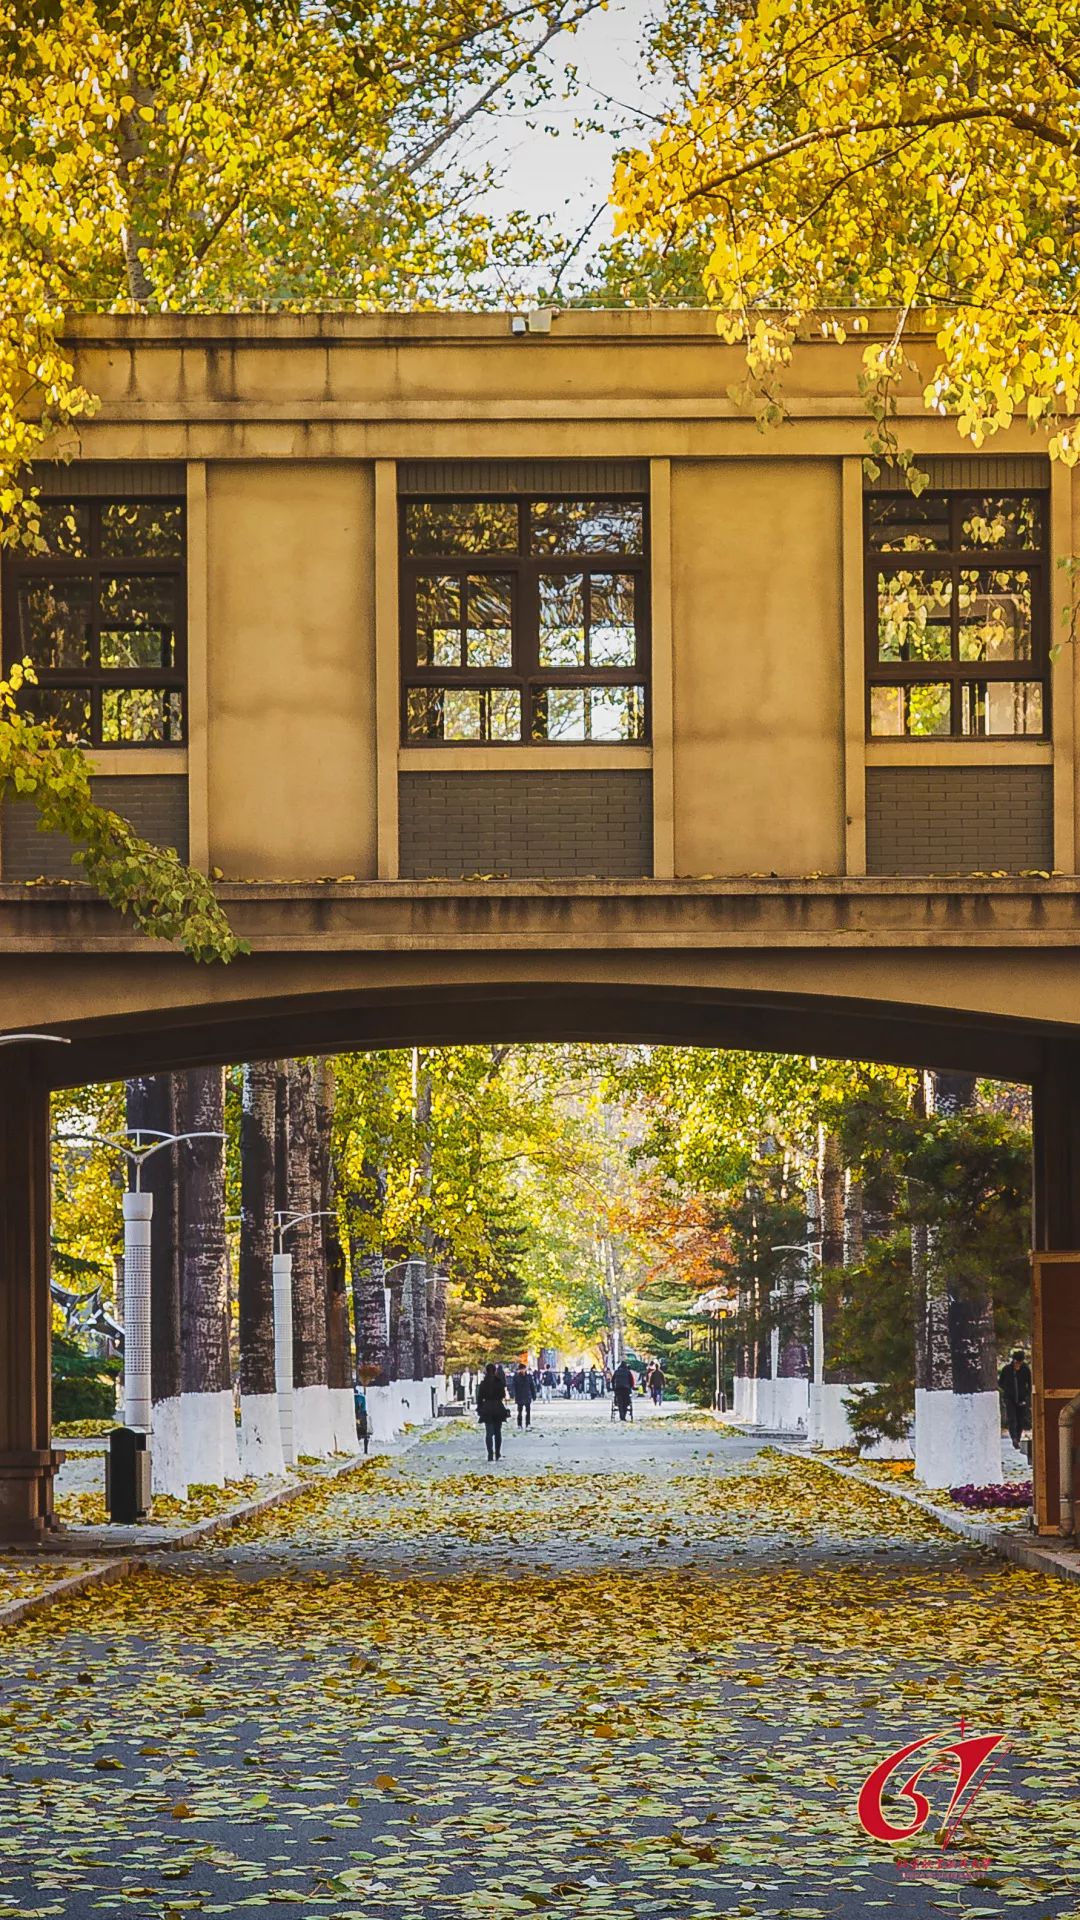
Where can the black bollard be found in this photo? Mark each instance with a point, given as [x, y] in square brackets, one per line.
[127, 1476]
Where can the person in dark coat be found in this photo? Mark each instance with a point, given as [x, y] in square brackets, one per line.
[657, 1383]
[1015, 1383]
[491, 1408]
[523, 1388]
[622, 1386]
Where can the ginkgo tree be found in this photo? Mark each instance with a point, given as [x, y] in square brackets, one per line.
[920, 158]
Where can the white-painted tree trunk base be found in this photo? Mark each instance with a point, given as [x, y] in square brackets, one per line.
[957, 1438]
[791, 1405]
[209, 1439]
[167, 1449]
[343, 1419]
[764, 1415]
[382, 1409]
[313, 1422]
[260, 1436]
[415, 1402]
[739, 1396]
[829, 1423]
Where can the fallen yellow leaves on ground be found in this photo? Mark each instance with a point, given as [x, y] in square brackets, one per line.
[547, 1725]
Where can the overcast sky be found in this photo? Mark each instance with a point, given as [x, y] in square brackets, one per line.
[566, 172]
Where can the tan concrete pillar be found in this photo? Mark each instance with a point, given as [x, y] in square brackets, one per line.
[1055, 1347]
[27, 1463]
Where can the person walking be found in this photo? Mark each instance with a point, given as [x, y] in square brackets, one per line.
[657, 1383]
[622, 1386]
[1014, 1381]
[523, 1388]
[491, 1408]
[568, 1382]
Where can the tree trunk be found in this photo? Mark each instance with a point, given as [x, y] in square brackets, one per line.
[260, 1426]
[208, 1422]
[829, 1424]
[439, 1303]
[151, 1104]
[339, 1372]
[311, 1411]
[957, 1412]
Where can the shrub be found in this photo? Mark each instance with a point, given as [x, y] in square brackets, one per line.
[84, 1384]
[1016, 1493]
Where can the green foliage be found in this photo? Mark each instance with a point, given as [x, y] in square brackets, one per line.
[84, 1384]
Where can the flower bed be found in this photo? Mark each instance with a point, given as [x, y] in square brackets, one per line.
[1015, 1493]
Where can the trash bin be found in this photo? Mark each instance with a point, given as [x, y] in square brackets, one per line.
[127, 1476]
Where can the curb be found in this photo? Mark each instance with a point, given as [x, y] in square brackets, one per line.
[1005, 1545]
[120, 1567]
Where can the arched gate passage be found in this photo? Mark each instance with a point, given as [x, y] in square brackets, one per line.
[447, 1004]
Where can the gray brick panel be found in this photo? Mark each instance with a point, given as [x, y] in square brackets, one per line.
[155, 804]
[959, 819]
[526, 825]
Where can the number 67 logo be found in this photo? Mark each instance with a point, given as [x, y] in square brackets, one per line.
[971, 1756]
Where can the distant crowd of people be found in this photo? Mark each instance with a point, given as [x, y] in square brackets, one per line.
[498, 1392]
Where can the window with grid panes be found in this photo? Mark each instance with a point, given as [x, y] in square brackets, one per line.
[524, 620]
[957, 615]
[99, 613]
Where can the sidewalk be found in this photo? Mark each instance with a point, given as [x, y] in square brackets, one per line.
[76, 1558]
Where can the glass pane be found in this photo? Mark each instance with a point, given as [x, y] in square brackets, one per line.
[461, 526]
[463, 713]
[438, 621]
[145, 529]
[54, 622]
[138, 621]
[589, 713]
[65, 526]
[917, 710]
[913, 615]
[559, 714]
[424, 713]
[152, 715]
[489, 637]
[67, 707]
[1001, 707]
[1001, 520]
[898, 523]
[612, 631]
[995, 613]
[504, 714]
[586, 526]
[562, 620]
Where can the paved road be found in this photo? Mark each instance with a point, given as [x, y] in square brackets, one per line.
[626, 1671]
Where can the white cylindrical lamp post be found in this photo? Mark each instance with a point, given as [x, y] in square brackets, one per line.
[138, 1211]
[283, 1353]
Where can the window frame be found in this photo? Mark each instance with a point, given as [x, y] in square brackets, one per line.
[949, 562]
[21, 566]
[526, 676]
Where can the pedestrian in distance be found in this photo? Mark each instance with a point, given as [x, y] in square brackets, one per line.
[491, 1408]
[622, 1386]
[568, 1382]
[360, 1408]
[523, 1388]
[656, 1384]
[1014, 1381]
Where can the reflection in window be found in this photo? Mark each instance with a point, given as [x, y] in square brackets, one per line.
[995, 613]
[464, 713]
[914, 615]
[489, 600]
[944, 635]
[65, 527]
[589, 713]
[146, 714]
[562, 620]
[142, 529]
[66, 707]
[898, 523]
[1001, 520]
[438, 621]
[461, 526]
[55, 622]
[586, 526]
[1001, 707]
[96, 606]
[921, 709]
[612, 624]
